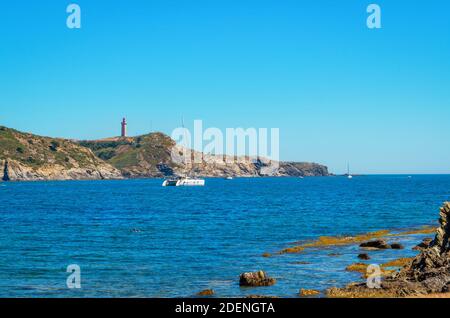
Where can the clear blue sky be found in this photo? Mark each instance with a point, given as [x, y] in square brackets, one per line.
[338, 91]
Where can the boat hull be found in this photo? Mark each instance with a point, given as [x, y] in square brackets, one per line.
[184, 183]
[191, 183]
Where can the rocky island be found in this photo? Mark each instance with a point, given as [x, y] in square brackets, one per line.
[27, 157]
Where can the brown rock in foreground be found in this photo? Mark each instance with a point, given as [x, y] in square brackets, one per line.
[206, 292]
[256, 279]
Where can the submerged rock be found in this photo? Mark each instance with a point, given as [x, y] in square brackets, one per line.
[256, 279]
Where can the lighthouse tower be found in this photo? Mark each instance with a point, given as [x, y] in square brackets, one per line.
[124, 128]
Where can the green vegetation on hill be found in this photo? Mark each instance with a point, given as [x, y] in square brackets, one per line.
[35, 151]
[25, 156]
[135, 156]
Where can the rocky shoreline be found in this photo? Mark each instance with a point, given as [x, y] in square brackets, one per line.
[426, 274]
[368, 243]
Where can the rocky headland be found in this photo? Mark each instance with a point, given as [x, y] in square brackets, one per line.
[151, 155]
[28, 157]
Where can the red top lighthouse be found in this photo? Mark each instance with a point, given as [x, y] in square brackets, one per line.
[124, 127]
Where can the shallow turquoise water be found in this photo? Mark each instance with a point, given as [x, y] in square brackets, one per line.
[135, 238]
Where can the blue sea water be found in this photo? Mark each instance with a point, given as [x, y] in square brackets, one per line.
[134, 238]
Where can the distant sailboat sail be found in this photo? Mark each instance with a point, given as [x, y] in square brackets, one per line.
[348, 172]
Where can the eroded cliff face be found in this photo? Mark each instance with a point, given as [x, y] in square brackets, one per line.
[214, 166]
[26, 157]
[17, 171]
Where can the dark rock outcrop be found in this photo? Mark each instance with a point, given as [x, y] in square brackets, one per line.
[381, 244]
[165, 169]
[424, 244]
[5, 171]
[364, 256]
[397, 246]
[376, 244]
[256, 279]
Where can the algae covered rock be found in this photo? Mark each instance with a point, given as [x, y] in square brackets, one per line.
[206, 292]
[308, 292]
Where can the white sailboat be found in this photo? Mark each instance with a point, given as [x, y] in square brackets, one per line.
[348, 172]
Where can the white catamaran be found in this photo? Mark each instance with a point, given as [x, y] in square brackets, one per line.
[183, 181]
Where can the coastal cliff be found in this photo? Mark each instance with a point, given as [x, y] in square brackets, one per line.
[24, 156]
[151, 156]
